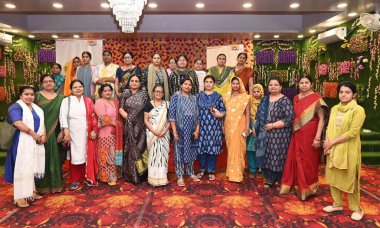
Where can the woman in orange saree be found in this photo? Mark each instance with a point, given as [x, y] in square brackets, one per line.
[302, 162]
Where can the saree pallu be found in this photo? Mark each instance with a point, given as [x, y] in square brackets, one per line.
[302, 162]
[244, 74]
[53, 180]
[134, 152]
[158, 147]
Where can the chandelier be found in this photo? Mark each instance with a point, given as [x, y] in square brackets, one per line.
[127, 13]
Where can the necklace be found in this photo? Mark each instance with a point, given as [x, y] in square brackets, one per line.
[154, 103]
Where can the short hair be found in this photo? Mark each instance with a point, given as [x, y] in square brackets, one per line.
[45, 76]
[209, 77]
[74, 81]
[307, 77]
[107, 51]
[181, 55]
[275, 78]
[102, 87]
[22, 88]
[347, 84]
[56, 64]
[88, 53]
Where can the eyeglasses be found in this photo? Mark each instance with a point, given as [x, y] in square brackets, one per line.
[48, 81]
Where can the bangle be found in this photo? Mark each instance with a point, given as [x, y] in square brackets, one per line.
[317, 139]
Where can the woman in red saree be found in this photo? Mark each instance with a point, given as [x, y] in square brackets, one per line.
[302, 161]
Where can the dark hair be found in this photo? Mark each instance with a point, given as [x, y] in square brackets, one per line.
[349, 85]
[209, 76]
[76, 57]
[158, 85]
[156, 53]
[234, 79]
[198, 59]
[307, 77]
[130, 78]
[45, 76]
[24, 87]
[186, 79]
[56, 64]
[181, 55]
[243, 53]
[275, 78]
[76, 80]
[88, 53]
[128, 52]
[108, 51]
[102, 87]
[175, 60]
[217, 57]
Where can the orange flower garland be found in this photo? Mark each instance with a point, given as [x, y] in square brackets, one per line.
[330, 89]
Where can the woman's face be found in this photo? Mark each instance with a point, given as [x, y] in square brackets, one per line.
[134, 83]
[127, 59]
[221, 60]
[172, 64]
[304, 85]
[242, 59]
[198, 65]
[274, 87]
[107, 58]
[235, 84]
[48, 83]
[107, 93]
[209, 84]
[55, 69]
[186, 86]
[345, 94]
[77, 89]
[27, 96]
[182, 62]
[256, 93]
[86, 59]
[158, 93]
[156, 60]
[76, 63]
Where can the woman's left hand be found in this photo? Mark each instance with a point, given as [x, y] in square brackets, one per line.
[93, 135]
[327, 145]
[268, 127]
[196, 135]
[316, 143]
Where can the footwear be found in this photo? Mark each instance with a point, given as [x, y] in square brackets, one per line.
[36, 196]
[181, 182]
[200, 175]
[267, 185]
[211, 177]
[22, 203]
[112, 183]
[332, 208]
[195, 178]
[251, 175]
[74, 185]
[88, 183]
[357, 215]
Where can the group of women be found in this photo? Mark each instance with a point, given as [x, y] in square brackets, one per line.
[128, 130]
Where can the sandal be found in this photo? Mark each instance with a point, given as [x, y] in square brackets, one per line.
[36, 196]
[195, 178]
[181, 182]
[200, 175]
[267, 185]
[211, 177]
[74, 185]
[22, 203]
[112, 183]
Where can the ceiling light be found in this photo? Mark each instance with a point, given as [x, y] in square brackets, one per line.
[10, 6]
[31, 36]
[312, 30]
[152, 5]
[276, 36]
[14, 31]
[300, 36]
[294, 5]
[105, 5]
[54, 36]
[257, 36]
[247, 5]
[57, 5]
[76, 36]
[342, 5]
[353, 14]
[200, 5]
[5, 26]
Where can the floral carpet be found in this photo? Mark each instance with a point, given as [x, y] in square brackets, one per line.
[203, 204]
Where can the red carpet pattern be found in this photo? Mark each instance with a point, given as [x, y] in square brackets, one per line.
[203, 204]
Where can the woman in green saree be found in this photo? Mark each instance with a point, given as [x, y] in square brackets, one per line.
[50, 103]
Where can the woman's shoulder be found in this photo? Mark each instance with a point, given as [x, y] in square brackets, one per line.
[14, 107]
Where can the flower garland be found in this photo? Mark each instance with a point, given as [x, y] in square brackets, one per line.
[264, 57]
[3, 71]
[323, 69]
[3, 95]
[330, 89]
[306, 64]
[46, 56]
[282, 74]
[19, 55]
[344, 67]
[30, 69]
[358, 44]
[333, 71]
[287, 57]
[360, 88]
[312, 54]
[11, 73]
[377, 92]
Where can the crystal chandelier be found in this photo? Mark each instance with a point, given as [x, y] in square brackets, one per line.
[127, 13]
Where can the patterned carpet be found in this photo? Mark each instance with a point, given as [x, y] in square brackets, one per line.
[203, 204]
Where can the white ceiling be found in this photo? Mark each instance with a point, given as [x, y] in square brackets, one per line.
[88, 19]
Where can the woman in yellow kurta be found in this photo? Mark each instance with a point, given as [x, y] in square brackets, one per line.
[236, 128]
[106, 73]
[343, 150]
[222, 73]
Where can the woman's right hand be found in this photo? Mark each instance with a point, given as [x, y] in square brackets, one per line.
[67, 137]
[176, 137]
[35, 136]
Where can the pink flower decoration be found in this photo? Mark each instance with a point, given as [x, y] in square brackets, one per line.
[3, 71]
[323, 69]
[344, 67]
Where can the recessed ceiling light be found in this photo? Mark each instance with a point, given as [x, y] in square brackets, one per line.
[294, 5]
[105, 5]
[247, 5]
[276, 36]
[353, 14]
[54, 36]
[152, 5]
[312, 30]
[76, 36]
[31, 36]
[342, 5]
[300, 36]
[6, 26]
[200, 5]
[10, 6]
[14, 31]
[257, 36]
[57, 5]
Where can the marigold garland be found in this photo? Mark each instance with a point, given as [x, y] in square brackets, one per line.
[3, 95]
[330, 89]
[358, 44]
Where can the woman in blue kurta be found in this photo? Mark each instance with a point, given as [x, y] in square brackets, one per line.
[211, 112]
[26, 158]
[183, 117]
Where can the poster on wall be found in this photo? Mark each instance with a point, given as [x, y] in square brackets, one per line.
[67, 49]
[231, 52]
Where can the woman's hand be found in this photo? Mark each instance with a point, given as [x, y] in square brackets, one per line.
[268, 127]
[316, 143]
[125, 116]
[253, 132]
[176, 137]
[42, 139]
[196, 135]
[93, 135]
[67, 137]
[35, 136]
[60, 137]
[327, 145]
[247, 132]
[217, 114]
